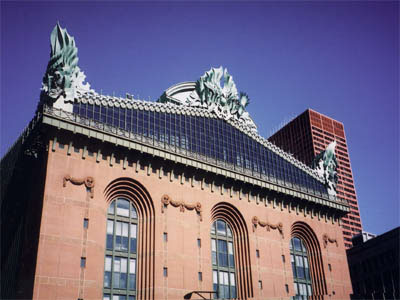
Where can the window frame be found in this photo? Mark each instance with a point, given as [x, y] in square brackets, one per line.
[302, 255]
[131, 219]
[221, 270]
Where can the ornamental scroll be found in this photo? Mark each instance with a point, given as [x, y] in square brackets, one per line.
[327, 239]
[165, 200]
[88, 182]
[278, 226]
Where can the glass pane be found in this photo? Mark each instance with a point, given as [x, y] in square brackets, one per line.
[132, 266]
[222, 246]
[309, 289]
[108, 263]
[233, 292]
[133, 230]
[132, 281]
[214, 257]
[231, 260]
[110, 241]
[226, 278]
[229, 231]
[106, 297]
[133, 245]
[215, 276]
[221, 293]
[226, 291]
[110, 226]
[303, 289]
[221, 278]
[232, 275]
[124, 266]
[299, 261]
[300, 272]
[117, 264]
[123, 207]
[116, 280]
[213, 245]
[303, 247]
[118, 230]
[213, 228]
[297, 244]
[222, 259]
[230, 248]
[122, 282]
[111, 208]
[107, 279]
[125, 227]
[133, 212]
[221, 227]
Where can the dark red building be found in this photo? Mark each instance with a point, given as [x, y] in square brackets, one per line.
[305, 137]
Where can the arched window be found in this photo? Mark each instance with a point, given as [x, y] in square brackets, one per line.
[223, 260]
[300, 268]
[121, 249]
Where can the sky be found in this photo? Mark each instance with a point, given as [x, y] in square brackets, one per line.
[340, 58]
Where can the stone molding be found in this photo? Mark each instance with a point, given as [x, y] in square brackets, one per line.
[165, 200]
[278, 226]
[87, 181]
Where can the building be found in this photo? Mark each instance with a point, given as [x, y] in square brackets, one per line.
[362, 238]
[118, 198]
[375, 266]
[309, 134]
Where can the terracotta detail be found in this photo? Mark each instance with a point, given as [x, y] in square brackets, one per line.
[327, 239]
[87, 181]
[278, 226]
[165, 200]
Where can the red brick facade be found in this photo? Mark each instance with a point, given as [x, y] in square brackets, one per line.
[64, 240]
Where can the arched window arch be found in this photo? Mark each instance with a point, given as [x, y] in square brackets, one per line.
[301, 270]
[303, 235]
[121, 251]
[223, 260]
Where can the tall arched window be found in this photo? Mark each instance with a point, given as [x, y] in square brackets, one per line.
[300, 268]
[121, 249]
[223, 260]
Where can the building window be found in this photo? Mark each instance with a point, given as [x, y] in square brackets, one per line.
[300, 268]
[86, 223]
[165, 237]
[165, 272]
[223, 260]
[257, 253]
[83, 262]
[121, 251]
[199, 243]
[200, 276]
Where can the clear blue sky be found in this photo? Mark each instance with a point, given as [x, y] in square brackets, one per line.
[338, 58]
